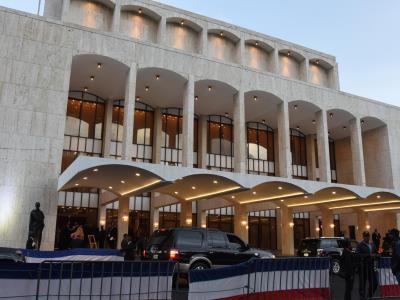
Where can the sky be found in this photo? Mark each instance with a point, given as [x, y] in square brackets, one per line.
[363, 35]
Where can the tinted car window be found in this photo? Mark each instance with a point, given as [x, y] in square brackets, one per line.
[235, 242]
[311, 244]
[189, 239]
[329, 243]
[159, 237]
[216, 239]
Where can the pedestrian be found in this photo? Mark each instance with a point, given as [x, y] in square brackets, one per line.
[112, 237]
[124, 241]
[102, 237]
[36, 225]
[78, 237]
[65, 237]
[366, 272]
[129, 248]
[376, 239]
[395, 261]
[348, 262]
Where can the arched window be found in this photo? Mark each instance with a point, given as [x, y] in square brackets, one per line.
[260, 149]
[143, 133]
[299, 154]
[220, 143]
[83, 127]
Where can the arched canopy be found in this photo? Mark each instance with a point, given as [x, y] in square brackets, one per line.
[268, 191]
[160, 87]
[224, 33]
[373, 201]
[185, 22]
[214, 97]
[321, 63]
[201, 186]
[142, 11]
[262, 106]
[302, 115]
[369, 123]
[293, 54]
[101, 75]
[338, 123]
[324, 196]
[260, 44]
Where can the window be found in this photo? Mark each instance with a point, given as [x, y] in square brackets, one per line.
[143, 133]
[216, 239]
[117, 129]
[260, 149]
[221, 218]
[299, 154]
[262, 229]
[220, 143]
[189, 239]
[235, 243]
[332, 159]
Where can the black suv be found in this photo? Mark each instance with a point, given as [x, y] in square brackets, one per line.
[325, 246]
[199, 248]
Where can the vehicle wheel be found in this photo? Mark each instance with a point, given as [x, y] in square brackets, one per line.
[335, 266]
[200, 265]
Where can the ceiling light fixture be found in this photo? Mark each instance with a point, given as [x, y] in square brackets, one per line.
[92, 78]
[255, 98]
[214, 193]
[182, 23]
[280, 188]
[263, 121]
[317, 61]
[322, 201]
[110, 187]
[95, 170]
[140, 10]
[365, 204]
[147, 88]
[296, 106]
[382, 208]
[378, 196]
[193, 187]
[209, 88]
[221, 33]
[215, 181]
[298, 127]
[85, 178]
[76, 184]
[256, 43]
[289, 53]
[137, 98]
[362, 121]
[157, 77]
[314, 122]
[196, 98]
[176, 193]
[333, 193]
[233, 197]
[331, 115]
[137, 174]
[141, 187]
[85, 89]
[254, 193]
[122, 181]
[344, 127]
[99, 65]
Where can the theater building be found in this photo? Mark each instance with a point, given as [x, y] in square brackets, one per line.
[145, 116]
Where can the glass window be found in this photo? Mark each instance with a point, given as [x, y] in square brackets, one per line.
[262, 229]
[235, 242]
[189, 239]
[216, 239]
[299, 154]
[143, 132]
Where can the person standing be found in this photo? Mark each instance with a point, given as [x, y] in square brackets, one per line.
[112, 237]
[348, 263]
[395, 260]
[36, 225]
[102, 237]
[128, 248]
[366, 266]
[376, 239]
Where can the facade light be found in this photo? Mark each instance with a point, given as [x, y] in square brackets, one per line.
[125, 218]
[255, 98]
[92, 78]
[362, 122]
[85, 89]
[189, 221]
[147, 88]
[157, 77]
[221, 33]
[140, 11]
[272, 198]
[291, 224]
[314, 122]
[322, 201]
[213, 193]
[196, 98]
[332, 225]
[99, 65]
[209, 88]
[182, 23]
[137, 98]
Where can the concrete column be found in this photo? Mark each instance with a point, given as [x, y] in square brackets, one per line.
[123, 218]
[284, 154]
[285, 230]
[327, 222]
[201, 218]
[314, 224]
[304, 70]
[204, 41]
[154, 219]
[202, 152]
[116, 16]
[240, 222]
[323, 146]
[275, 61]
[162, 30]
[186, 214]
[362, 222]
[157, 139]
[65, 9]
[129, 113]
[311, 159]
[102, 215]
[334, 77]
[108, 128]
[239, 133]
[241, 51]
[357, 153]
[188, 123]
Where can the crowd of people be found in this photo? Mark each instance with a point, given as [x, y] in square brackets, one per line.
[363, 261]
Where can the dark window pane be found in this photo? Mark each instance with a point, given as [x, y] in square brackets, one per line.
[189, 239]
[216, 239]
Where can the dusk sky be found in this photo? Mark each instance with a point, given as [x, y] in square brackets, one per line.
[364, 35]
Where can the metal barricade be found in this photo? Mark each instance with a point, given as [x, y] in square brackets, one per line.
[107, 280]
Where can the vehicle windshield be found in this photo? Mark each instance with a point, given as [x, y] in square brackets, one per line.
[310, 244]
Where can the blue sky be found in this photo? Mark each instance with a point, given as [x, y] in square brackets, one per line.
[364, 35]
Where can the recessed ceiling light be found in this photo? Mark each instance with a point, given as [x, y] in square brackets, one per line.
[76, 184]
[344, 127]
[255, 98]
[123, 182]
[140, 10]
[209, 88]
[298, 127]
[331, 115]
[282, 200]
[182, 22]
[91, 78]
[277, 207]
[254, 193]
[95, 170]
[226, 114]
[99, 65]
[289, 53]
[263, 121]
[157, 77]
[280, 188]
[233, 197]
[296, 106]
[362, 121]
[137, 174]
[85, 89]
[176, 193]
[147, 88]
[333, 193]
[221, 33]
[314, 122]
[256, 43]
[137, 98]
[215, 181]
[84, 178]
[193, 187]
[110, 187]
[317, 61]
[378, 196]
[305, 197]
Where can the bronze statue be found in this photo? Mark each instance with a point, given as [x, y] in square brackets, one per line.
[36, 225]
